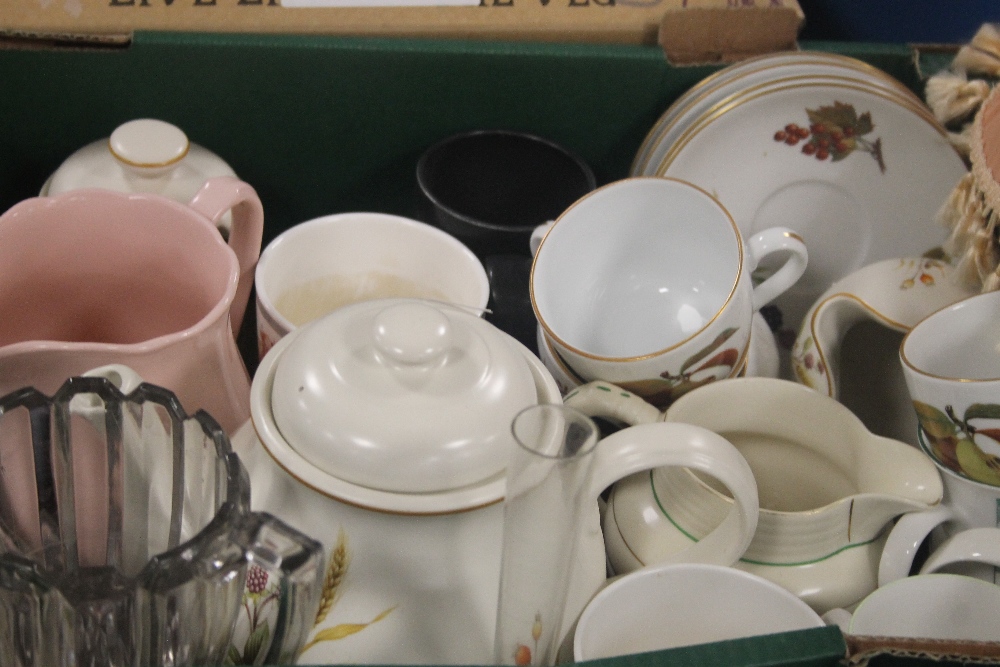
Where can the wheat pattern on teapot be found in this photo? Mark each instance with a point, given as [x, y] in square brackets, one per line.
[260, 593]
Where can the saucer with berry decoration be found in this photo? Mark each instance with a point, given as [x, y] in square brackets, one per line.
[751, 73]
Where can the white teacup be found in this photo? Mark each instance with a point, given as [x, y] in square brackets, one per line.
[951, 363]
[646, 283]
[927, 606]
[319, 265]
[683, 604]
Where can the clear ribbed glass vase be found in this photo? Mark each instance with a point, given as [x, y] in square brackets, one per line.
[126, 538]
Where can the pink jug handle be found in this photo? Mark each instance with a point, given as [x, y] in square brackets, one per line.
[218, 195]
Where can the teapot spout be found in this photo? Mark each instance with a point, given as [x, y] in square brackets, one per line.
[895, 469]
[893, 478]
[870, 513]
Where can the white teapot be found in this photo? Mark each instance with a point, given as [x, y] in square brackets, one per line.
[142, 155]
[383, 429]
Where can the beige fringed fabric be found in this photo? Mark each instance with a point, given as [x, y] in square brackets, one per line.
[981, 55]
[956, 94]
[971, 213]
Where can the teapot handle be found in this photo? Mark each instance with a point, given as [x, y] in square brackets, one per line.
[645, 446]
[217, 196]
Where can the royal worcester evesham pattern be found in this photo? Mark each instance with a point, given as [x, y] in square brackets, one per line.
[646, 282]
[830, 159]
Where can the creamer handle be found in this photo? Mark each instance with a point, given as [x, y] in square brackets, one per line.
[224, 193]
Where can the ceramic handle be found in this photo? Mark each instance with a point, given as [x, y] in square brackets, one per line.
[608, 401]
[661, 444]
[537, 234]
[972, 545]
[213, 200]
[905, 539]
[770, 241]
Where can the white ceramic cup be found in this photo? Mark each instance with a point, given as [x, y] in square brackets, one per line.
[926, 606]
[683, 604]
[646, 283]
[951, 363]
[323, 263]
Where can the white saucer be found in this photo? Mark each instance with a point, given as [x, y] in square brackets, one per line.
[746, 75]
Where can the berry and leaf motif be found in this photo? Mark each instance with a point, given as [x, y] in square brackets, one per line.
[336, 572]
[808, 364]
[523, 654]
[834, 132]
[713, 362]
[922, 272]
[260, 607]
[958, 442]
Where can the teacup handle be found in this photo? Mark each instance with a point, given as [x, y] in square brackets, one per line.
[905, 539]
[972, 545]
[537, 234]
[217, 196]
[661, 444]
[771, 241]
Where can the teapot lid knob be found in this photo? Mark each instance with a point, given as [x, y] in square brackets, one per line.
[148, 142]
[412, 334]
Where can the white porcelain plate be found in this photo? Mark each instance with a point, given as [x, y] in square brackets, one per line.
[746, 75]
[868, 188]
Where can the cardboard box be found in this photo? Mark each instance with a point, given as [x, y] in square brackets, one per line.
[688, 28]
[321, 124]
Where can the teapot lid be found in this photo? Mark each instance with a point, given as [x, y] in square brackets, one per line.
[141, 155]
[401, 395]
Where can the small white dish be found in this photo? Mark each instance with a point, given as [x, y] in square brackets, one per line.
[684, 604]
[947, 607]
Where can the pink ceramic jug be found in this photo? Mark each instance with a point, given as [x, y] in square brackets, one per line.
[93, 277]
